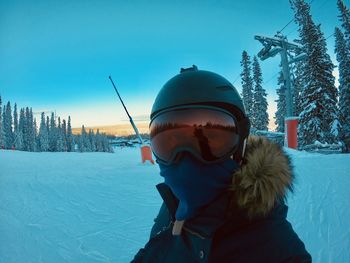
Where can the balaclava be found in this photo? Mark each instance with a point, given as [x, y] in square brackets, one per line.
[196, 184]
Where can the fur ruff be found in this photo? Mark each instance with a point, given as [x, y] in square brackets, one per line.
[264, 178]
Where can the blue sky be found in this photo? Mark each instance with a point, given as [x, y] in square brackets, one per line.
[57, 55]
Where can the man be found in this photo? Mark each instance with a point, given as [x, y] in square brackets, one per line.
[223, 192]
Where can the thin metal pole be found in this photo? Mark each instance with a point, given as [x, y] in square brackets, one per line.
[126, 110]
[287, 81]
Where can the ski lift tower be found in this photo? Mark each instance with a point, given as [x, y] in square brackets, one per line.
[287, 50]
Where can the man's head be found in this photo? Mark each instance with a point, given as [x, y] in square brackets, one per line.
[190, 110]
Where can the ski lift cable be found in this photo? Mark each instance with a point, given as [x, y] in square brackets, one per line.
[329, 36]
[270, 79]
[280, 31]
[319, 7]
[233, 83]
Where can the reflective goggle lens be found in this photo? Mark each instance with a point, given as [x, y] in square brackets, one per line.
[208, 134]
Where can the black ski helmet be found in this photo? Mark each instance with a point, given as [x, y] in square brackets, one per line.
[200, 87]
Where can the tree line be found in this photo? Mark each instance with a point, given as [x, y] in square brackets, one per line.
[323, 110]
[20, 131]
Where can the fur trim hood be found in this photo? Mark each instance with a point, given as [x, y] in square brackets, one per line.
[264, 178]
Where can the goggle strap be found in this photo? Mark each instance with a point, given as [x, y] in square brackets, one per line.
[244, 127]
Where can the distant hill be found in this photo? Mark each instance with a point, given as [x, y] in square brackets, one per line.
[117, 130]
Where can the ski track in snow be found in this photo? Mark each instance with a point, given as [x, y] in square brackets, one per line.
[99, 207]
[319, 208]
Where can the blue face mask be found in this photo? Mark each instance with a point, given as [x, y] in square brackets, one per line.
[196, 184]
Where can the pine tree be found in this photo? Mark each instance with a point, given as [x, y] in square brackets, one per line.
[298, 82]
[345, 19]
[1, 130]
[77, 141]
[32, 129]
[64, 132]
[343, 57]
[20, 136]
[43, 135]
[99, 145]
[318, 120]
[247, 86]
[36, 139]
[52, 134]
[105, 144]
[7, 127]
[109, 147]
[48, 126]
[92, 140]
[86, 141]
[281, 104]
[70, 141]
[15, 126]
[261, 117]
[15, 119]
[60, 143]
[83, 140]
[26, 128]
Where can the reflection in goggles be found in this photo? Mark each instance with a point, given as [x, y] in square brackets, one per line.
[207, 134]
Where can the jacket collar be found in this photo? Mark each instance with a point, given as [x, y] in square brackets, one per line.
[263, 180]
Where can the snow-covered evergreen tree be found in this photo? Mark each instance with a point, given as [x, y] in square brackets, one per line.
[7, 127]
[345, 19]
[19, 143]
[48, 127]
[247, 86]
[26, 130]
[70, 141]
[260, 115]
[52, 134]
[106, 147]
[60, 137]
[36, 139]
[32, 130]
[83, 141]
[298, 82]
[343, 57]
[15, 119]
[78, 141]
[92, 140]
[29, 131]
[64, 131]
[318, 120]
[86, 140]
[281, 104]
[99, 143]
[43, 135]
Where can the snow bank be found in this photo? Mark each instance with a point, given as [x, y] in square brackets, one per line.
[99, 207]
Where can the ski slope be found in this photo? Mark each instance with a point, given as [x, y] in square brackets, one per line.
[99, 207]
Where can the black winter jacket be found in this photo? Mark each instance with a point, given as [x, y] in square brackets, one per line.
[245, 224]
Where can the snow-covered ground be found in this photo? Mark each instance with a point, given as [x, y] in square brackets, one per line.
[99, 207]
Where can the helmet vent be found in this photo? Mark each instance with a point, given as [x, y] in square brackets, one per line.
[193, 68]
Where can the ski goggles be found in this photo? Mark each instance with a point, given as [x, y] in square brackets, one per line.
[210, 134]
